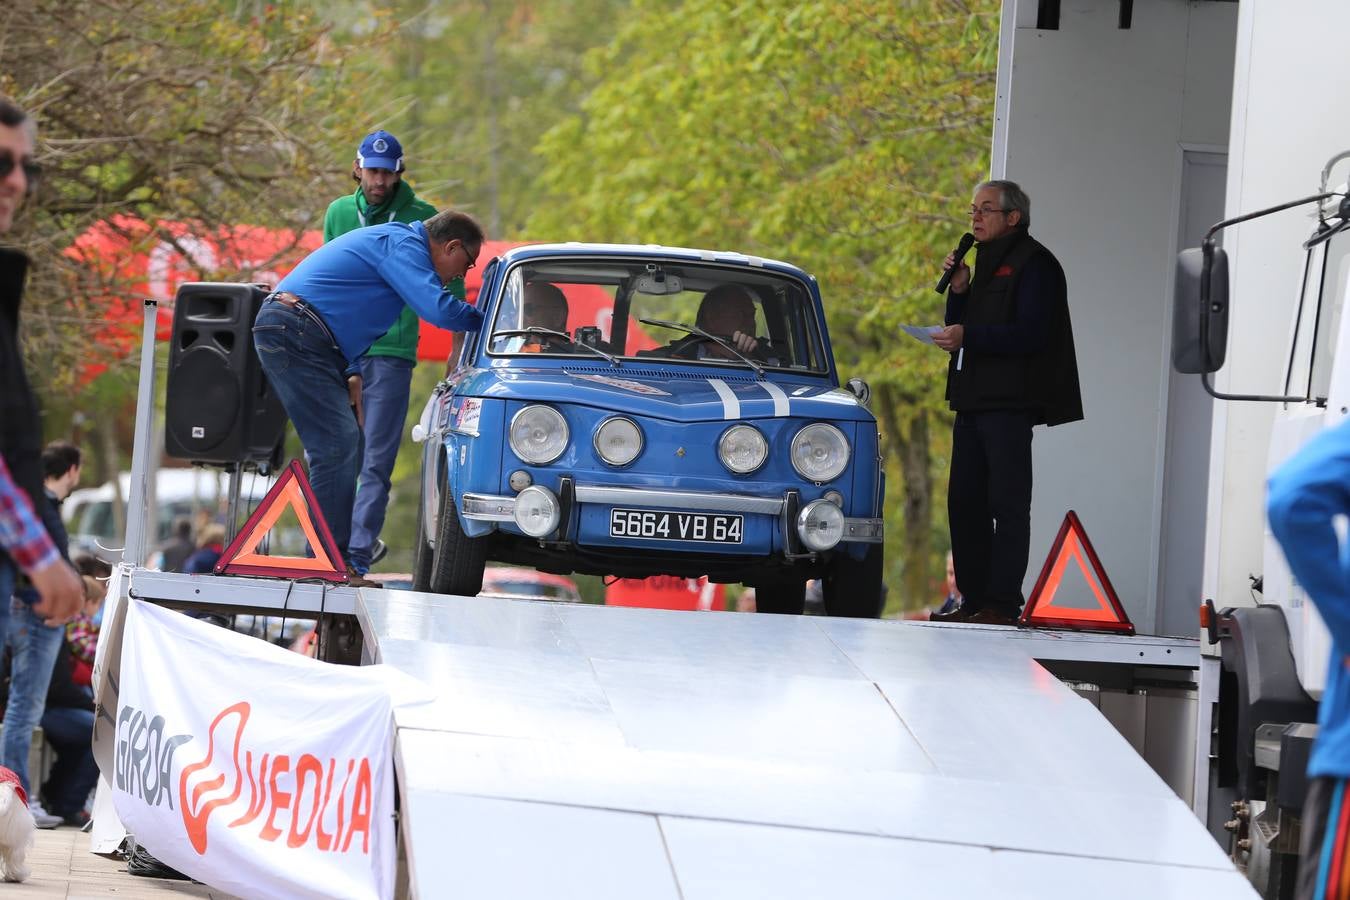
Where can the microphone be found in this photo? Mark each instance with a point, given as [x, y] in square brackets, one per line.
[966, 240]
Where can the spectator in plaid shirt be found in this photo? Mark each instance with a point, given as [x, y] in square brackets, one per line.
[56, 592]
[24, 543]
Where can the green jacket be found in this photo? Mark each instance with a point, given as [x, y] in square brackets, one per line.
[352, 212]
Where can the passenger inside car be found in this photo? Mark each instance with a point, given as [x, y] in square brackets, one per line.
[544, 306]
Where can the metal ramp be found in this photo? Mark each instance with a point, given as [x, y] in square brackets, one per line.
[593, 752]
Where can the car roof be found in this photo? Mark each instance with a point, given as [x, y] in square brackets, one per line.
[682, 254]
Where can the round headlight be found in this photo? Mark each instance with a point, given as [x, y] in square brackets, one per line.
[538, 434]
[742, 449]
[536, 511]
[618, 441]
[819, 452]
[820, 525]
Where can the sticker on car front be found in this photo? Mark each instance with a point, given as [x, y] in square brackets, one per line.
[636, 387]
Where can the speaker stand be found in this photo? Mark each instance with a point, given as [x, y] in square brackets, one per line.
[236, 471]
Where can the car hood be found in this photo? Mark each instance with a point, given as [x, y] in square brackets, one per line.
[674, 395]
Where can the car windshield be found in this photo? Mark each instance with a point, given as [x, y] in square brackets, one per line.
[643, 309]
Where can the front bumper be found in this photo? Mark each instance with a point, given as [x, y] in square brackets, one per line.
[497, 508]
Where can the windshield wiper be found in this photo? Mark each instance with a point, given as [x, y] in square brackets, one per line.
[535, 329]
[691, 329]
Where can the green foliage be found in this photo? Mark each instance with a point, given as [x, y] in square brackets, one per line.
[469, 86]
[845, 138]
[207, 112]
[196, 111]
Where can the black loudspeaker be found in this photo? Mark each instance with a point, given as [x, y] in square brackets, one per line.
[219, 407]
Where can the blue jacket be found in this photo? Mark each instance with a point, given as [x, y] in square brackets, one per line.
[361, 281]
[1306, 495]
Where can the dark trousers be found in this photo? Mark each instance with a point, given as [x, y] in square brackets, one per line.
[1317, 850]
[989, 507]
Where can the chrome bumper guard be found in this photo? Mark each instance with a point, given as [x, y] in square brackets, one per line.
[493, 508]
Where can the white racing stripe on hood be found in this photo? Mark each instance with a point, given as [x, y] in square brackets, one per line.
[780, 398]
[731, 407]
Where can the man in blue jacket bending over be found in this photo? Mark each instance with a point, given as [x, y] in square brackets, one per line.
[312, 330]
[1307, 495]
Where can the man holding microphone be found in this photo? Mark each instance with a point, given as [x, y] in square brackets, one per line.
[1012, 367]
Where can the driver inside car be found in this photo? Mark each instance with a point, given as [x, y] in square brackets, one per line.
[727, 311]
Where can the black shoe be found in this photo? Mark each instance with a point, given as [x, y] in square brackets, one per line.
[960, 614]
[379, 552]
[141, 863]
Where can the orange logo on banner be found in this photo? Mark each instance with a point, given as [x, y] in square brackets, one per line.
[1072, 545]
[292, 491]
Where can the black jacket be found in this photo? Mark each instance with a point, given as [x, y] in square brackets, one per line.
[20, 426]
[1017, 351]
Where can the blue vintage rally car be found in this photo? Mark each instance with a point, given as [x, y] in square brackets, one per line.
[644, 410]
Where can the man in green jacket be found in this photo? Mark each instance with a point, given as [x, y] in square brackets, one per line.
[380, 391]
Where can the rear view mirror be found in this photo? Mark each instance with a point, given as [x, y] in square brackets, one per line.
[658, 283]
[1200, 328]
[858, 388]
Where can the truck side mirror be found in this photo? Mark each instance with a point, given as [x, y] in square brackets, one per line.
[1200, 326]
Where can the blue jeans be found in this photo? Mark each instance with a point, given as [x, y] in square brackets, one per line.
[306, 368]
[9, 574]
[386, 381]
[34, 646]
[74, 773]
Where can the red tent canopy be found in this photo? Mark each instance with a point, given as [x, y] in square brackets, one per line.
[128, 260]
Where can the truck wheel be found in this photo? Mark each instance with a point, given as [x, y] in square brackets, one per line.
[784, 596]
[852, 587]
[423, 555]
[457, 567]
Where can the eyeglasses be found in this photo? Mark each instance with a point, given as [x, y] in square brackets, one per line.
[31, 170]
[979, 212]
[471, 259]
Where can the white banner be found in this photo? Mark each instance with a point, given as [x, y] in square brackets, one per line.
[250, 768]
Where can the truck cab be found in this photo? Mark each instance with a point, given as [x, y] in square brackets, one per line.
[1273, 655]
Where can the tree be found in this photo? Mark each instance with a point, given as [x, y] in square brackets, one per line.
[470, 86]
[844, 137]
[201, 111]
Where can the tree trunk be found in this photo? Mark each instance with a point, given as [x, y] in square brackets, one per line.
[918, 475]
[107, 438]
[491, 93]
[906, 425]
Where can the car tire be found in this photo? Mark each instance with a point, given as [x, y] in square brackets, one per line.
[853, 588]
[457, 565]
[423, 555]
[785, 596]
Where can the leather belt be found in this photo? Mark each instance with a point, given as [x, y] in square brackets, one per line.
[286, 298]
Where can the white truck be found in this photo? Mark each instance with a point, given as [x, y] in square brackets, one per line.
[1273, 655]
[1136, 127]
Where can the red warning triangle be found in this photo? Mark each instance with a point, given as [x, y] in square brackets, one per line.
[1072, 546]
[292, 491]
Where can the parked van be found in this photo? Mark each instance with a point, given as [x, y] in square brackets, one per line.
[182, 492]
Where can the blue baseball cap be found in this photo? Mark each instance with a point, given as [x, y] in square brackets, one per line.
[380, 150]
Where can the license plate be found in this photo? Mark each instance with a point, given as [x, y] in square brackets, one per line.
[654, 525]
